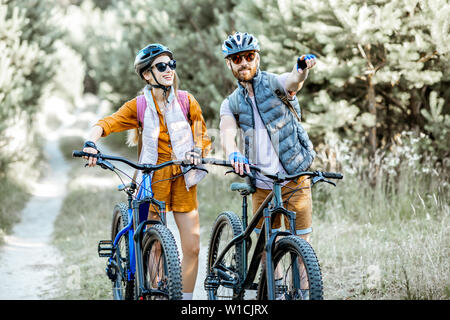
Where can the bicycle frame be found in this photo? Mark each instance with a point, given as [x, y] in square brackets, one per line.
[137, 221]
[268, 210]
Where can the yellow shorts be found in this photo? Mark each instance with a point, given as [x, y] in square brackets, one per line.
[300, 202]
[173, 191]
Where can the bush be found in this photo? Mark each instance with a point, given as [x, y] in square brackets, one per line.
[27, 66]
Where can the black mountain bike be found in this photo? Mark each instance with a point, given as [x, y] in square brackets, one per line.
[290, 269]
[143, 260]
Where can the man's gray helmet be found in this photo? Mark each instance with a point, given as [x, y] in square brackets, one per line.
[147, 55]
[239, 42]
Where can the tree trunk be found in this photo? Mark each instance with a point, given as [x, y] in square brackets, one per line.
[372, 109]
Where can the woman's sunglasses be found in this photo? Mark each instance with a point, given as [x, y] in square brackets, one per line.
[237, 58]
[162, 66]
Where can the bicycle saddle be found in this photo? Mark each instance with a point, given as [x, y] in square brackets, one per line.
[243, 188]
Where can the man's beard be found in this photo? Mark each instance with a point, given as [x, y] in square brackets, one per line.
[245, 78]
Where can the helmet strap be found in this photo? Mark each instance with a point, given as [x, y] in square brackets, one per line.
[159, 85]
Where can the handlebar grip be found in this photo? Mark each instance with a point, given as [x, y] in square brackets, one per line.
[332, 175]
[79, 154]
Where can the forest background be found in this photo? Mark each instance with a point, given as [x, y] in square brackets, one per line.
[376, 106]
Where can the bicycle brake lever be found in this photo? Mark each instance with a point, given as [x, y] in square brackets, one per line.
[105, 164]
[316, 179]
[190, 167]
[321, 178]
[198, 168]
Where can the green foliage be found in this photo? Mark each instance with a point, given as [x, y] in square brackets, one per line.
[27, 35]
[193, 30]
[379, 61]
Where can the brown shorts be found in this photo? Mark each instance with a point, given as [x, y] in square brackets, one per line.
[173, 191]
[300, 202]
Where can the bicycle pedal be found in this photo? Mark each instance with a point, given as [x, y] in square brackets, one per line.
[105, 248]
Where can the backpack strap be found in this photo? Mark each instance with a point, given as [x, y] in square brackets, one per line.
[141, 106]
[279, 91]
[233, 104]
[183, 100]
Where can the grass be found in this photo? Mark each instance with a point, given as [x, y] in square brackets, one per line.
[84, 219]
[390, 241]
[387, 241]
[13, 198]
[17, 173]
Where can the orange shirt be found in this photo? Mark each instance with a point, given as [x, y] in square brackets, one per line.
[126, 118]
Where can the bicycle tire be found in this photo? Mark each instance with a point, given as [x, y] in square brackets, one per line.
[232, 222]
[172, 266]
[123, 289]
[297, 246]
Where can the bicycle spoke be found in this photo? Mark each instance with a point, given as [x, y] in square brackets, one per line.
[292, 279]
[155, 272]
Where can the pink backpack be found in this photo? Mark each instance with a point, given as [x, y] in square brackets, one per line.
[183, 100]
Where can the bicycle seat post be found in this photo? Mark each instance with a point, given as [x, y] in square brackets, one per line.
[244, 212]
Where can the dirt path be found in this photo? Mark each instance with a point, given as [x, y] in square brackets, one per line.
[27, 259]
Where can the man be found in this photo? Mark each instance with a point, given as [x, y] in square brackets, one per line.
[265, 108]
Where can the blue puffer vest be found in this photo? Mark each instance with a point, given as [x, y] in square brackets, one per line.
[289, 138]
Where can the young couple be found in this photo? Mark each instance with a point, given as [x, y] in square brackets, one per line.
[173, 127]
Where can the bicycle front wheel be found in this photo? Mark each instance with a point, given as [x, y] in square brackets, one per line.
[123, 288]
[161, 262]
[223, 286]
[296, 272]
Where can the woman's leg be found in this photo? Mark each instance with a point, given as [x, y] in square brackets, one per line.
[189, 227]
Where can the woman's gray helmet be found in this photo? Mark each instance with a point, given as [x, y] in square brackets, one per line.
[147, 55]
[239, 42]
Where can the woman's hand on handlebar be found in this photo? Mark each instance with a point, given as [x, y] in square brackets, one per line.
[90, 147]
[194, 156]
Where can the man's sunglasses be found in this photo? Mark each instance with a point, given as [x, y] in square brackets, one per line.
[237, 58]
[162, 66]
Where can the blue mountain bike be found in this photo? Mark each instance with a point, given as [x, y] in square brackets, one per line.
[143, 260]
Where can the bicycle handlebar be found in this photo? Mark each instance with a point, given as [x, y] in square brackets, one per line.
[143, 167]
[278, 177]
[149, 167]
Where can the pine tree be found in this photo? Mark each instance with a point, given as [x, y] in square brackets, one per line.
[379, 61]
[27, 35]
[193, 30]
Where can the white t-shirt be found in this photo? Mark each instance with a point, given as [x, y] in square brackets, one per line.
[266, 156]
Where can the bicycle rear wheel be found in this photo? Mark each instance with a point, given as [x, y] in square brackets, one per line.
[123, 289]
[297, 272]
[221, 287]
[161, 262]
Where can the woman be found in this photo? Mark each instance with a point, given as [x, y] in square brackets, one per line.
[168, 132]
